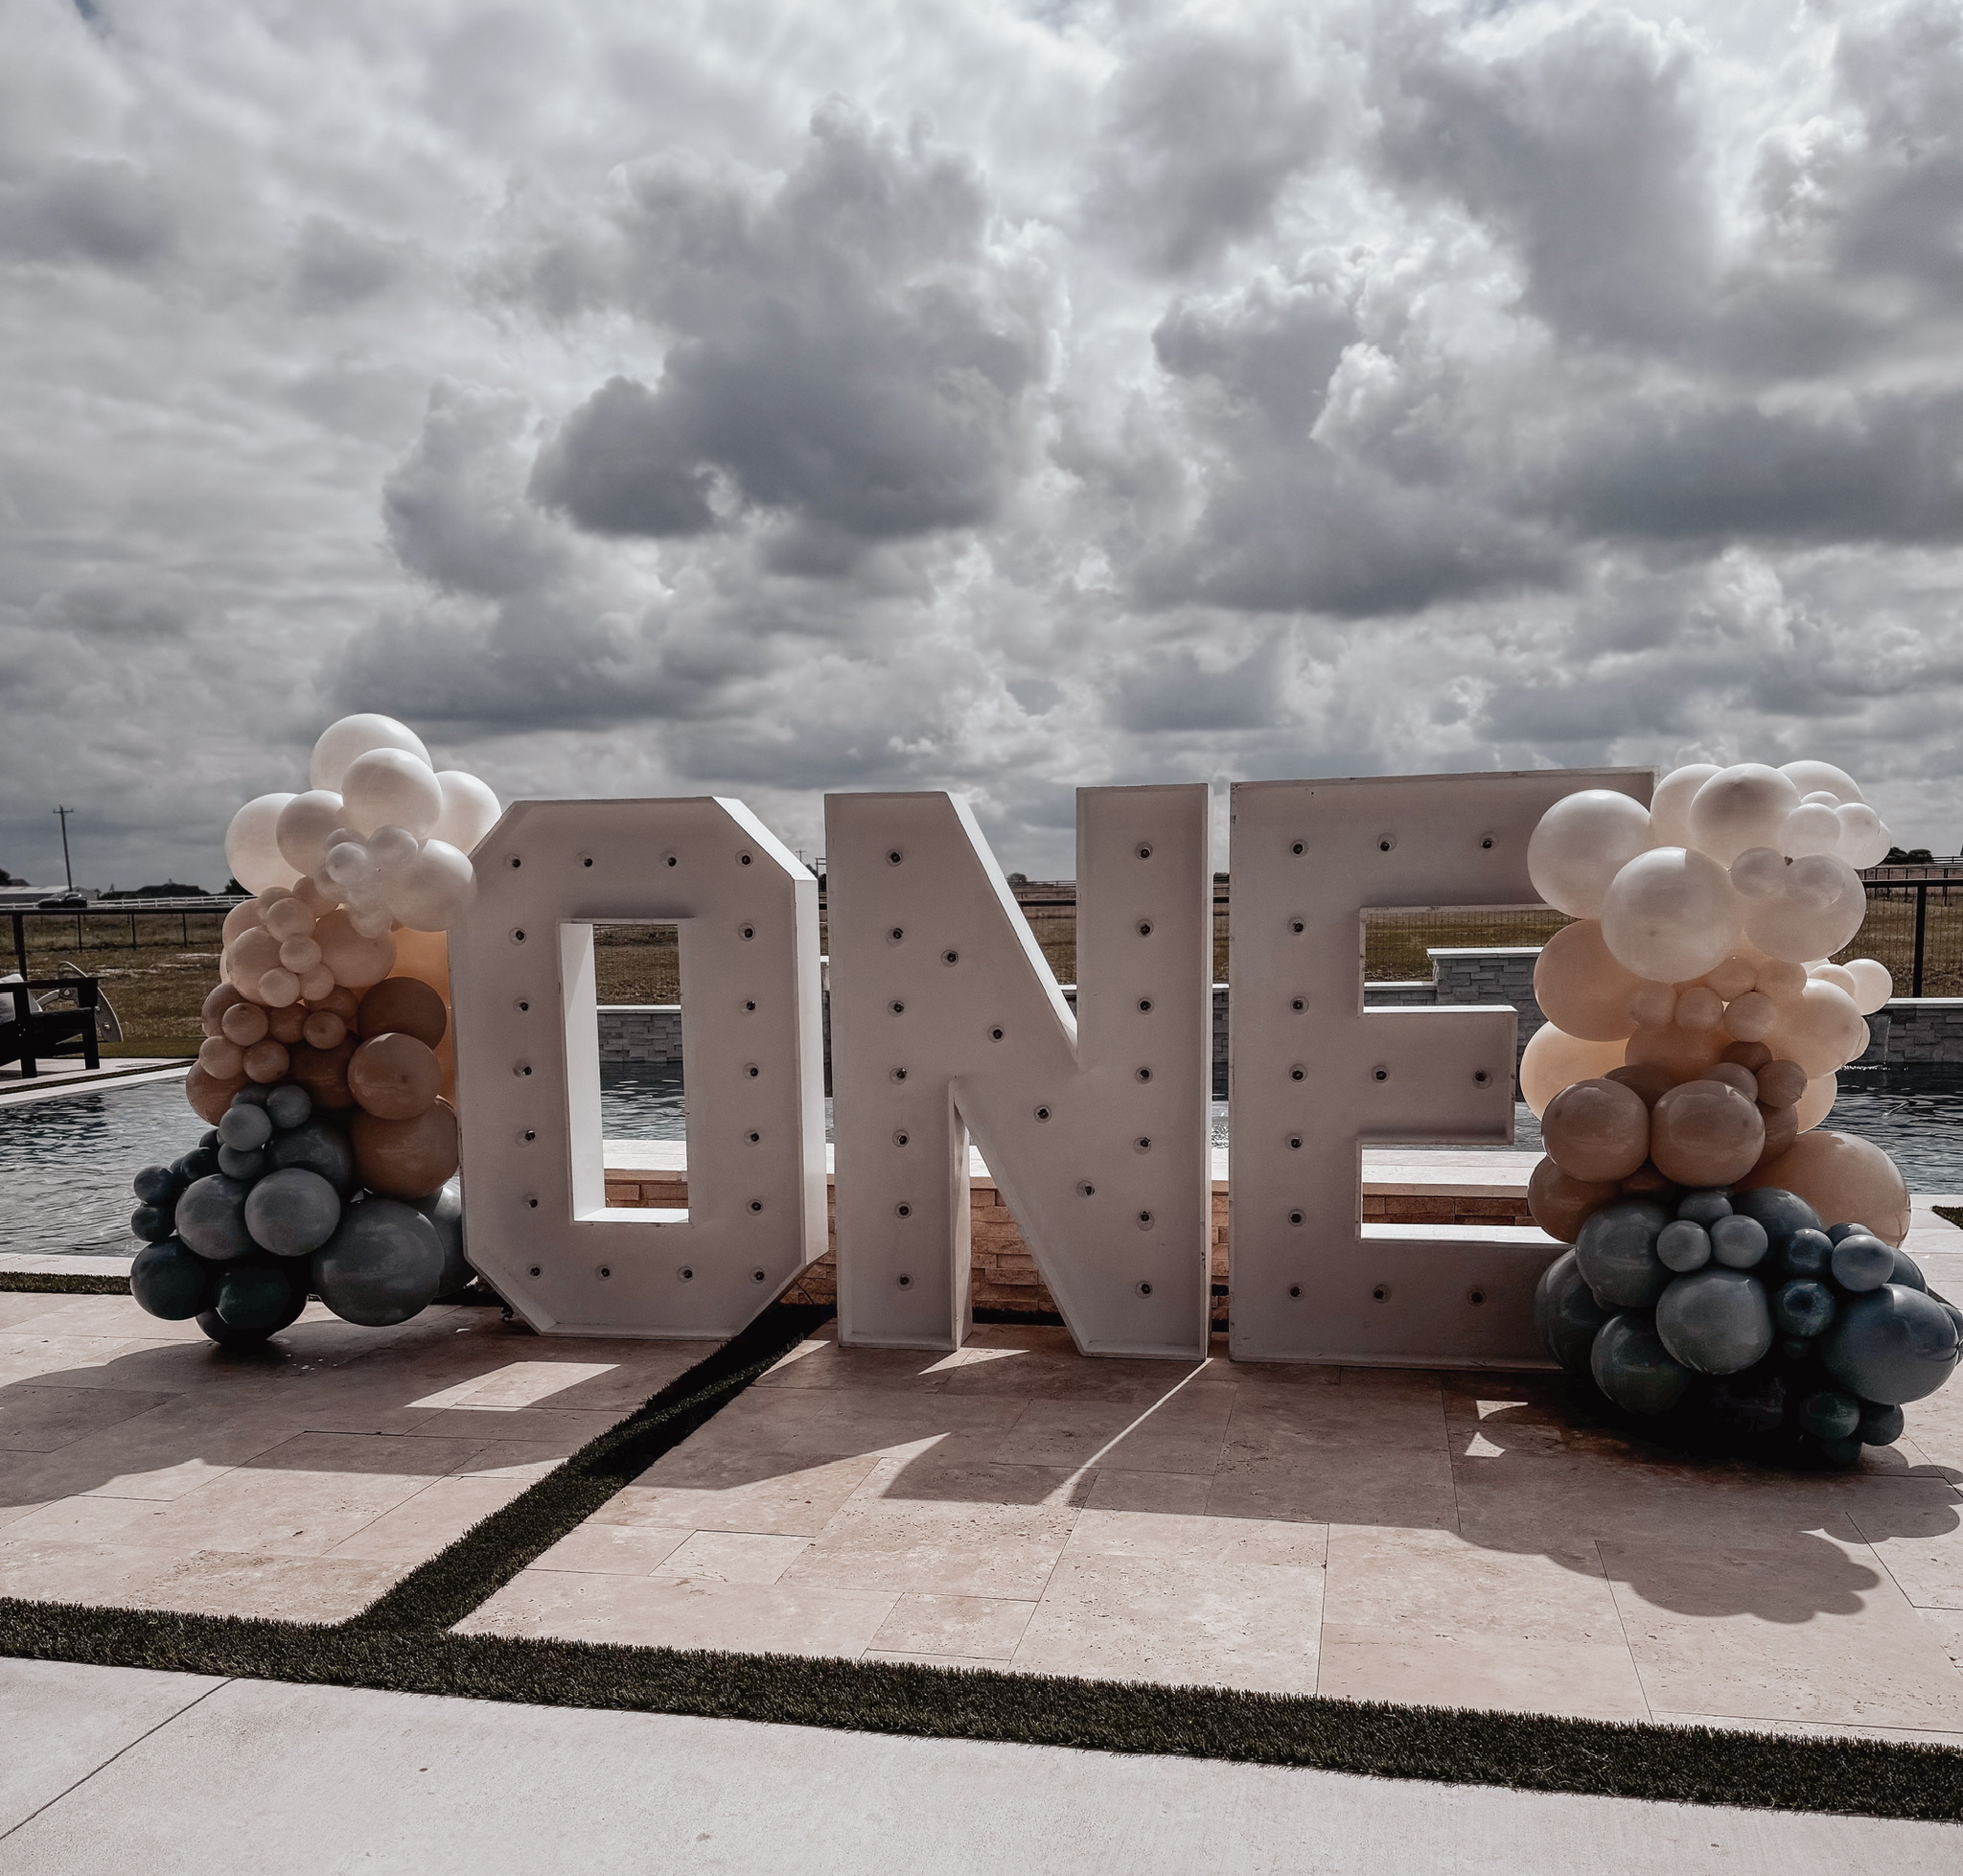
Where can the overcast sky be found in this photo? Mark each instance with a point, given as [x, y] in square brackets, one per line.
[763, 396]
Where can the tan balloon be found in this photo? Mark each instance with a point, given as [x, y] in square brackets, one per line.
[244, 917]
[1553, 1058]
[1821, 1032]
[1782, 1129]
[1698, 1008]
[266, 1061]
[1873, 985]
[1704, 1133]
[1753, 1055]
[395, 1077]
[248, 957]
[1846, 1180]
[1561, 1204]
[1580, 987]
[1734, 1077]
[207, 1095]
[323, 1072]
[1780, 1083]
[287, 1025]
[355, 960]
[1683, 1055]
[1751, 1017]
[1733, 978]
[405, 1159]
[323, 1028]
[219, 999]
[221, 1059]
[1653, 1006]
[406, 1006]
[1816, 1103]
[1597, 1131]
[1649, 1081]
[245, 1023]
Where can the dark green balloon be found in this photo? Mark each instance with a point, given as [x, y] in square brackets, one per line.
[1633, 1367]
[1879, 1427]
[152, 1223]
[1804, 1307]
[258, 1298]
[444, 1208]
[1806, 1252]
[380, 1266]
[1907, 1272]
[211, 1218]
[1716, 1321]
[292, 1212]
[319, 1147]
[170, 1281]
[1782, 1212]
[154, 1183]
[1862, 1261]
[1567, 1315]
[1617, 1252]
[1891, 1345]
[1830, 1415]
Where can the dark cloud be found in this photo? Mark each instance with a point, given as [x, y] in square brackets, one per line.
[105, 210]
[337, 267]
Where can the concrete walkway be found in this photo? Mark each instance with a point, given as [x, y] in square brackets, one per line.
[111, 1768]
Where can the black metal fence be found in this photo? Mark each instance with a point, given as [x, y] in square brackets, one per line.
[175, 924]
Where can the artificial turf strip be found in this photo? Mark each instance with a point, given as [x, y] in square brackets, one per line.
[1527, 1751]
[49, 1283]
[480, 1562]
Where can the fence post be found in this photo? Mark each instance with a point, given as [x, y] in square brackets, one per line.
[1921, 936]
[20, 941]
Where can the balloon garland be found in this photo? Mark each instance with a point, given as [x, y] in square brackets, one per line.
[327, 1069]
[1734, 1268]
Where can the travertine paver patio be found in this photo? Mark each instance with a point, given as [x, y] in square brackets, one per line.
[1445, 1538]
[140, 1466]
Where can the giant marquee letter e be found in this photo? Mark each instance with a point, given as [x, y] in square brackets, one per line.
[538, 1224]
[1315, 1076]
[946, 1019]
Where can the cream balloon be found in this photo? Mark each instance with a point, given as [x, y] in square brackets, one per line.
[1742, 806]
[434, 890]
[1822, 778]
[1817, 1102]
[389, 788]
[305, 823]
[252, 846]
[1580, 843]
[1873, 985]
[1733, 978]
[244, 917]
[1821, 1032]
[470, 810]
[1839, 977]
[1819, 909]
[1810, 829]
[1553, 1061]
[1580, 987]
[356, 960]
[289, 918]
[1864, 836]
[1671, 915]
[341, 743]
[1670, 804]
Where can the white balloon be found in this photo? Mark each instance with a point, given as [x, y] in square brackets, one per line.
[1839, 977]
[341, 743]
[1822, 778]
[470, 810]
[1821, 1032]
[1873, 985]
[390, 847]
[1671, 915]
[1759, 872]
[434, 890]
[1670, 805]
[1864, 837]
[1742, 806]
[1819, 911]
[348, 865]
[389, 788]
[305, 823]
[252, 848]
[1580, 843]
[1815, 829]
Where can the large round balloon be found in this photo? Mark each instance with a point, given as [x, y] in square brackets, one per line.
[318, 1147]
[292, 1212]
[1892, 1345]
[1552, 1059]
[258, 1299]
[1840, 1176]
[390, 788]
[1670, 804]
[1682, 1054]
[1716, 1320]
[1820, 1030]
[434, 890]
[211, 1218]
[1616, 1253]
[1567, 1315]
[395, 1077]
[1818, 907]
[406, 1159]
[1560, 1205]
[1705, 1134]
[470, 810]
[341, 743]
[1597, 1131]
[324, 1073]
[1670, 914]
[1580, 987]
[170, 1281]
[444, 1208]
[355, 958]
[1742, 806]
[1633, 1367]
[1580, 843]
[406, 1006]
[304, 825]
[252, 846]
[208, 1095]
[383, 1265]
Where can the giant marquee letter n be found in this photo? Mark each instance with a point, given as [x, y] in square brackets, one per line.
[946, 1019]
[1315, 1076]
[538, 1224]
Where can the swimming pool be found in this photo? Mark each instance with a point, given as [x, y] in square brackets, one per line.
[66, 1162]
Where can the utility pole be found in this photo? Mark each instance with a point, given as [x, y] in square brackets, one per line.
[67, 865]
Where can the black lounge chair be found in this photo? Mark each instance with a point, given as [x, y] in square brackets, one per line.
[29, 1031]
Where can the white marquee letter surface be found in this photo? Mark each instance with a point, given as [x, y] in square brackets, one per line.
[539, 1226]
[1315, 1076]
[946, 1021]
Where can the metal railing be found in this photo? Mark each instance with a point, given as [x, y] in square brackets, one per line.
[101, 924]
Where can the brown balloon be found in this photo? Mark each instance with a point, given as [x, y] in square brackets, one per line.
[1781, 1084]
[341, 1001]
[395, 1077]
[245, 1023]
[266, 1061]
[1782, 1129]
[211, 1015]
[1647, 1080]
[1645, 1182]
[289, 1024]
[1734, 1077]
[324, 1073]
[323, 1028]
[405, 1159]
[1753, 1055]
[1703, 1133]
[208, 1096]
[1561, 1204]
[403, 1006]
[1597, 1131]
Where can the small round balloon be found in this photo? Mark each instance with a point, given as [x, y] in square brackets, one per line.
[1633, 1367]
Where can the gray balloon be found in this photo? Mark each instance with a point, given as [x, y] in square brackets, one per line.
[320, 1147]
[1567, 1315]
[1617, 1252]
[444, 1208]
[210, 1216]
[1633, 1368]
[1908, 1274]
[292, 1212]
[1782, 1212]
[244, 1127]
[1890, 1345]
[1704, 1207]
[1862, 1261]
[380, 1266]
[1684, 1244]
[1739, 1242]
[1716, 1321]
[289, 1105]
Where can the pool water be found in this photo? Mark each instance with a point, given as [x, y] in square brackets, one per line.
[66, 1162]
